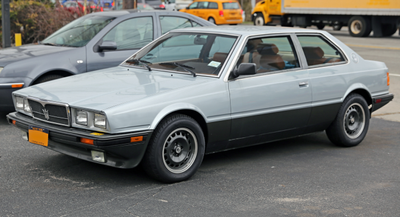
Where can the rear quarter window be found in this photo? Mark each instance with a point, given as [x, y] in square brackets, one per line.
[318, 51]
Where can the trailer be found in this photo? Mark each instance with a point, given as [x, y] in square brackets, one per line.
[382, 17]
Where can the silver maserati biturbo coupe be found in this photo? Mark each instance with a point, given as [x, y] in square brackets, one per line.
[203, 90]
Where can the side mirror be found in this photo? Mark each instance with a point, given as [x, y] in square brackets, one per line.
[108, 45]
[244, 69]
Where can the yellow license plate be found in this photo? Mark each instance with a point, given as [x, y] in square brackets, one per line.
[38, 135]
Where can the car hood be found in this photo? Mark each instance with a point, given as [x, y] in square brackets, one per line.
[103, 89]
[14, 54]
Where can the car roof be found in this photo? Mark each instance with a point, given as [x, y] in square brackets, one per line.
[247, 30]
[121, 13]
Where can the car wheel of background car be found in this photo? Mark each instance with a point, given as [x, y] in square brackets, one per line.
[47, 78]
[259, 20]
[351, 123]
[211, 20]
[389, 29]
[359, 26]
[176, 149]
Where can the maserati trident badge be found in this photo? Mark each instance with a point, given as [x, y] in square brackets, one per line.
[46, 114]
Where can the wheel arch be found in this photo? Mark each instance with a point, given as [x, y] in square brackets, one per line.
[189, 110]
[359, 89]
[63, 73]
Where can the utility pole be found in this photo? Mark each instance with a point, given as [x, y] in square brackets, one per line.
[5, 10]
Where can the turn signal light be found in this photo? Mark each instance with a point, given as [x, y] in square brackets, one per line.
[388, 79]
[137, 139]
[16, 85]
[87, 141]
[14, 122]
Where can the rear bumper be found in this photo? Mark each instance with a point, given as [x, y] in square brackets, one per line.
[118, 149]
[380, 101]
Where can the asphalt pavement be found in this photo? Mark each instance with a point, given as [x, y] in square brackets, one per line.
[306, 176]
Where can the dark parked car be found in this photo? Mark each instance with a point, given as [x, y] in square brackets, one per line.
[95, 41]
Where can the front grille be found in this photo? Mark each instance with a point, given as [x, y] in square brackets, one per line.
[50, 112]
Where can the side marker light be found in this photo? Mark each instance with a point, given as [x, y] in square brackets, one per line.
[137, 139]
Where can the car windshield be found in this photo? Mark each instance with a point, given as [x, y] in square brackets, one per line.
[192, 53]
[79, 32]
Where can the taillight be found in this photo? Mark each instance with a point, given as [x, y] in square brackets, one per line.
[241, 12]
[221, 13]
[162, 6]
[388, 79]
[101, 8]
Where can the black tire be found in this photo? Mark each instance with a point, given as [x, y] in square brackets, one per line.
[320, 26]
[47, 78]
[337, 27]
[176, 149]
[259, 20]
[388, 29]
[212, 20]
[360, 26]
[351, 123]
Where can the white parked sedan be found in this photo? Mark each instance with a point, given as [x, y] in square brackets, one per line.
[202, 90]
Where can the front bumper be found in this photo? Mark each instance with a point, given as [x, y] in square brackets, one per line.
[118, 150]
[380, 101]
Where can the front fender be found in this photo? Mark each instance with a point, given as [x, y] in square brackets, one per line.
[174, 108]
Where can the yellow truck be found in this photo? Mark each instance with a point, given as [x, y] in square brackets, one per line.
[382, 17]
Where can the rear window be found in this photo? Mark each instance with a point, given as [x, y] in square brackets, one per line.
[230, 5]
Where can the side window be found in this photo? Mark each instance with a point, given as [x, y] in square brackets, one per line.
[213, 5]
[131, 34]
[170, 23]
[318, 51]
[202, 5]
[271, 54]
[193, 6]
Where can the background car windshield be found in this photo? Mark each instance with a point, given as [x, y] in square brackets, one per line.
[79, 32]
[200, 53]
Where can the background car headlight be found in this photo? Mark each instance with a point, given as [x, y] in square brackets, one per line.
[1, 69]
[82, 117]
[100, 120]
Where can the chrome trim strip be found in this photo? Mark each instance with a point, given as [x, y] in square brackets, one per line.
[10, 84]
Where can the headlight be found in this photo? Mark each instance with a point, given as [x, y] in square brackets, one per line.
[19, 103]
[22, 105]
[82, 118]
[27, 107]
[1, 69]
[100, 121]
[89, 119]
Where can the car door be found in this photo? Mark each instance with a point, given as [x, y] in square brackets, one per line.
[130, 35]
[327, 69]
[276, 101]
[203, 10]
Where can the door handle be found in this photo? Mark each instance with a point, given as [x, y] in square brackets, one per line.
[303, 84]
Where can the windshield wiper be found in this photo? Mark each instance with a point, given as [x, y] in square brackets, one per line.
[185, 67]
[137, 61]
[52, 44]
